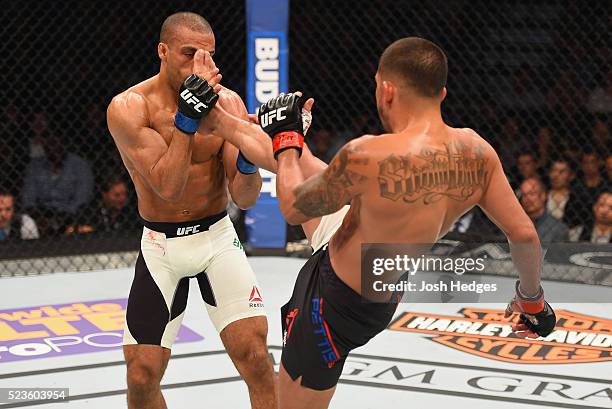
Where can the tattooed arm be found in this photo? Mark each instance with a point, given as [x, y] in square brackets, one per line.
[325, 192]
[501, 206]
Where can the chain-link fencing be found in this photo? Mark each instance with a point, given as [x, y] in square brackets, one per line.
[533, 78]
[62, 62]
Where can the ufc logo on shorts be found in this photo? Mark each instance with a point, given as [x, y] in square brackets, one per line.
[268, 117]
[181, 231]
[191, 99]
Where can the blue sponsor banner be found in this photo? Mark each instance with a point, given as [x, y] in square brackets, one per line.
[267, 76]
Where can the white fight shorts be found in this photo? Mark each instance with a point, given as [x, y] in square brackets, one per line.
[329, 224]
[173, 253]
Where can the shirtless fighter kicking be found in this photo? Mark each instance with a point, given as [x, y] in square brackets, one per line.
[181, 172]
[380, 176]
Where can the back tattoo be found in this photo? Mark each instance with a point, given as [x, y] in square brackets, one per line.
[456, 172]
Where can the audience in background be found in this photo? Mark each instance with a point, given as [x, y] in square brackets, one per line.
[510, 131]
[543, 146]
[533, 199]
[14, 225]
[56, 186]
[600, 135]
[609, 169]
[40, 130]
[600, 231]
[111, 212]
[322, 146]
[600, 99]
[585, 190]
[561, 176]
[526, 167]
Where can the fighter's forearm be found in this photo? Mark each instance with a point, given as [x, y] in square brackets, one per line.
[527, 256]
[288, 177]
[169, 174]
[252, 141]
[245, 189]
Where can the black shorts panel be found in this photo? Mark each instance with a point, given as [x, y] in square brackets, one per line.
[324, 320]
[148, 315]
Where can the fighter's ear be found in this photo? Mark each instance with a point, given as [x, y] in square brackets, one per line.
[389, 91]
[443, 94]
[162, 51]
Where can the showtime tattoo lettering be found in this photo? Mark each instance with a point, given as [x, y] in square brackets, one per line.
[433, 174]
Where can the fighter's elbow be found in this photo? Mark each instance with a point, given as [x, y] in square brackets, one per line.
[245, 203]
[246, 197]
[293, 216]
[523, 234]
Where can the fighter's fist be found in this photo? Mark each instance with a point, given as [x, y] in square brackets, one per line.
[281, 119]
[196, 99]
[537, 316]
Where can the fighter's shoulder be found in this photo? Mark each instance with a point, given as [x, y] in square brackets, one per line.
[469, 137]
[364, 142]
[130, 104]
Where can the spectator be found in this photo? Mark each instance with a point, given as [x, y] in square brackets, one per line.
[112, 212]
[533, 199]
[322, 146]
[584, 193]
[561, 176]
[56, 186]
[601, 134]
[13, 147]
[543, 145]
[527, 167]
[609, 169]
[601, 229]
[14, 225]
[510, 131]
[40, 132]
[600, 100]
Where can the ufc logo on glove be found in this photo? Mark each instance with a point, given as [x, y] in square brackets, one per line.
[191, 99]
[268, 117]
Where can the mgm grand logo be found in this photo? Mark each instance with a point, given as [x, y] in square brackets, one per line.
[486, 333]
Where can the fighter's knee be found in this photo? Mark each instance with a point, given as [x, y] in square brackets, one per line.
[253, 361]
[143, 380]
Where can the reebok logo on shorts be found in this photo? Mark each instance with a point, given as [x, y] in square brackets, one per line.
[255, 299]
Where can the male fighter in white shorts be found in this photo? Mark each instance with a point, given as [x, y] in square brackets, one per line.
[181, 172]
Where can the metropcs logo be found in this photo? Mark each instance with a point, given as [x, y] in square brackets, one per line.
[486, 333]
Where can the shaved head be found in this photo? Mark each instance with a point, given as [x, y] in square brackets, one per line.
[417, 63]
[191, 21]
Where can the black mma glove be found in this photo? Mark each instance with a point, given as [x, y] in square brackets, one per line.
[537, 316]
[281, 118]
[196, 99]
